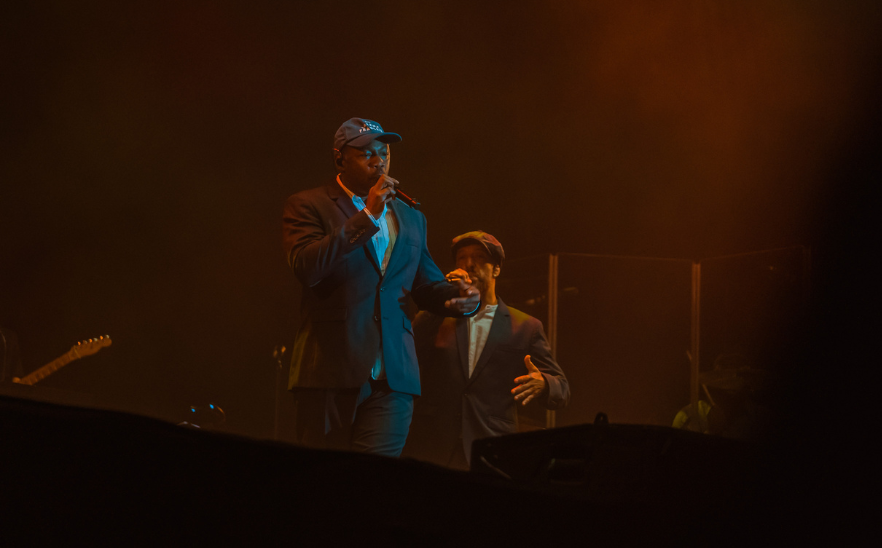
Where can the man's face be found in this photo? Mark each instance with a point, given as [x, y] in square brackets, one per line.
[360, 167]
[477, 261]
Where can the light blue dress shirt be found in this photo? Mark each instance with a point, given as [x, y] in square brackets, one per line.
[383, 241]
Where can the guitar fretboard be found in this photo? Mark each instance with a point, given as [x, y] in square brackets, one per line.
[47, 369]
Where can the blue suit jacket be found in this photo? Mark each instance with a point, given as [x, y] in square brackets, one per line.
[455, 408]
[348, 306]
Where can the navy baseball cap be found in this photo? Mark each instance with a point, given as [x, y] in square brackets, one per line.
[357, 132]
[491, 244]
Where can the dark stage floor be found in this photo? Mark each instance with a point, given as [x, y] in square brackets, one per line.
[76, 475]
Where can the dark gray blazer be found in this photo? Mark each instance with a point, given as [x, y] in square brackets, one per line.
[348, 306]
[457, 409]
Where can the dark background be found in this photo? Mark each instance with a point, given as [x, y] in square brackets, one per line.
[148, 147]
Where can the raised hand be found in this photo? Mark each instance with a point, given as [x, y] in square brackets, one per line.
[458, 274]
[380, 194]
[530, 385]
[469, 296]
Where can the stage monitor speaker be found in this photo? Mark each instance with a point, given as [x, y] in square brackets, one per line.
[620, 462]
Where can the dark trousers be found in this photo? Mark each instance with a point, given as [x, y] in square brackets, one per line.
[371, 419]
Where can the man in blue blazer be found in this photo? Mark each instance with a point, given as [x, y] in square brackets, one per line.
[477, 369]
[362, 260]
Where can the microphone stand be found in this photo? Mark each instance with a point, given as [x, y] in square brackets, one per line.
[278, 353]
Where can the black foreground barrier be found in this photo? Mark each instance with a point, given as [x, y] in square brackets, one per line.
[624, 463]
[88, 477]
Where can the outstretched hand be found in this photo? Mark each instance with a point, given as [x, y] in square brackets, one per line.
[530, 385]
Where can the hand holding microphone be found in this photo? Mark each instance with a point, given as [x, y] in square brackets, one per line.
[380, 194]
[386, 182]
[459, 274]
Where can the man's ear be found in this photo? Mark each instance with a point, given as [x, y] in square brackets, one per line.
[496, 271]
[338, 159]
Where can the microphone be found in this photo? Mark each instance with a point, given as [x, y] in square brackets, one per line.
[405, 198]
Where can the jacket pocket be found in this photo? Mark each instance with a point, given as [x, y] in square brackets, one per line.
[329, 315]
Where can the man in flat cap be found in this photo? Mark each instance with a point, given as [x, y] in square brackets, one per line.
[362, 260]
[476, 370]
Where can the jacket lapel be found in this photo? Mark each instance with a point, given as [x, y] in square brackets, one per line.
[499, 330]
[462, 344]
[344, 202]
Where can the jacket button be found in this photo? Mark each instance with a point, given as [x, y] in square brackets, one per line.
[376, 318]
[382, 289]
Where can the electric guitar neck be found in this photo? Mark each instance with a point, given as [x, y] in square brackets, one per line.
[77, 351]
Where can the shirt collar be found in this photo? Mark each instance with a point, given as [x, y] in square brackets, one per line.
[486, 310]
[346, 190]
[357, 200]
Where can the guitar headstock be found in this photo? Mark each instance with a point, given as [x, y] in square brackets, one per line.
[90, 346]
